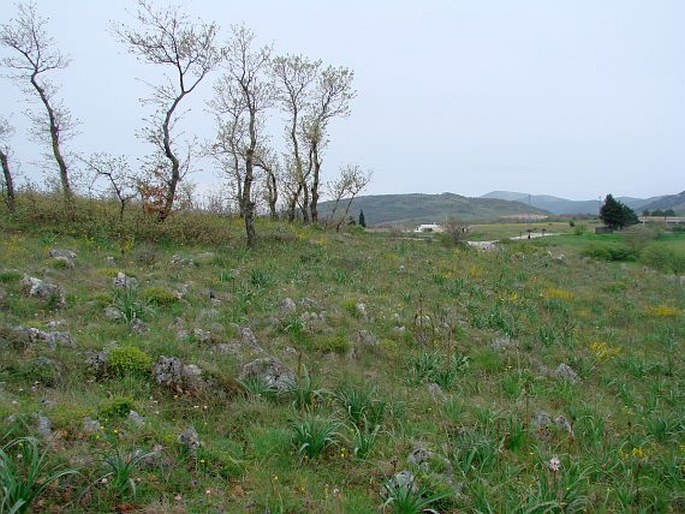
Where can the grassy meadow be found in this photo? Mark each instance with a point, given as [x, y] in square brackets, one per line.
[544, 376]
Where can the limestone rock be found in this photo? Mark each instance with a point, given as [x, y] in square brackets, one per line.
[272, 372]
[113, 314]
[190, 440]
[288, 306]
[122, 281]
[36, 288]
[565, 372]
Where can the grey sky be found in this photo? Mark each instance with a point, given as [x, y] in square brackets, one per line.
[575, 98]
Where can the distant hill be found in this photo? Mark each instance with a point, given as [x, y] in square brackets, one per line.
[560, 206]
[675, 202]
[415, 208]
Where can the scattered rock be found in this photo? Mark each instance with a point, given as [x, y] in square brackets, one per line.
[177, 260]
[52, 339]
[565, 372]
[246, 344]
[542, 420]
[422, 320]
[288, 306]
[503, 344]
[399, 331]
[272, 372]
[110, 261]
[122, 281]
[202, 336]
[419, 456]
[400, 480]
[138, 326]
[113, 314]
[563, 424]
[64, 263]
[190, 440]
[361, 310]
[435, 391]
[91, 425]
[136, 418]
[43, 425]
[36, 288]
[170, 372]
[366, 338]
[97, 361]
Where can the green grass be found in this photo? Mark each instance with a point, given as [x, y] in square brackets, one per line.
[489, 328]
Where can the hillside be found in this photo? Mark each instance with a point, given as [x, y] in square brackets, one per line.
[561, 206]
[417, 208]
[675, 202]
[324, 372]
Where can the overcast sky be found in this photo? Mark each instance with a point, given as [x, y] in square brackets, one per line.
[574, 98]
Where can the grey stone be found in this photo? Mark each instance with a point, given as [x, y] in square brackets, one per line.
[122, 281]
[168, 372]
[288, 306]
[65, 263]
[97, 361]
[272, 372]
[419, 456]
[565, 372]
[110, 261]
[36, 288]
[51, 339]
[113, 314]
[362, 311]
[136, 418]
[138, 326]
[43, 425]
[68, 254]
[190, 440]
[91, 425]
[399, 331]
[177, 260]
[503, 344]
[542, 420]
[563, 424]
[202, 336]
[366, 338]
[435, 390]
[401, 480]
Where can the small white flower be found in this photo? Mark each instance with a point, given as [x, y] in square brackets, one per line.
[554, 464]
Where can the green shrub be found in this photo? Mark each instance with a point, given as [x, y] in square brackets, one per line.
[338, 344]
[664, 258]
[314, 435]
[117, 407]
[10, 275]
[611, 252]
[125, 360]
[21, 485]
[159, 296]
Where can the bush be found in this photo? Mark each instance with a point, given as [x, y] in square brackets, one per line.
[129, 360]
[159, 296]
[612, 252]
[117, 407]
[664, 258]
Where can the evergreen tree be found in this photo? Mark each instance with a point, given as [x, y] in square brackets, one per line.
[362, 219]
[616, 215]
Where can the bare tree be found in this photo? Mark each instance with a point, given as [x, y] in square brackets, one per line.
[294, 75]
[331, 99]
[244, 94]
[116, 171]
[36, 55]
[167, 37]
[267, 160]
[9, 195]
[350, 182]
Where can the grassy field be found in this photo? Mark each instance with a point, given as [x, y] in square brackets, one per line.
[545, 376]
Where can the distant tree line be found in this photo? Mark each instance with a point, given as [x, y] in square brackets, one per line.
[659, 213]
[253, 84]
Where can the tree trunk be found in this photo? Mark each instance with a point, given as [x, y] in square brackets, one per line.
[314, 206]
[172, 182]
[273, 195]
[9, 183]
[54, 139]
